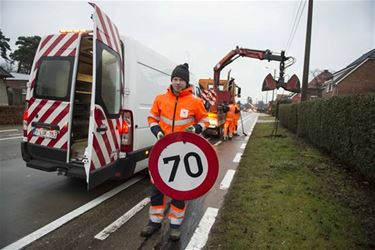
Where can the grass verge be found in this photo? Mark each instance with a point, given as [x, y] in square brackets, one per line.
[288, 195]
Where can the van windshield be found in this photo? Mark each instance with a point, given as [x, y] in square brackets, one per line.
[54, 78]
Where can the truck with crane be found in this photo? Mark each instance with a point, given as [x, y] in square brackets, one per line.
[218, 93]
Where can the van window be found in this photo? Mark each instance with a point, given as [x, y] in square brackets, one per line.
[53, 78]
[110, 81]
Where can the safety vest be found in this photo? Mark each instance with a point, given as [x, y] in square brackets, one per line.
[175, 113]
[231, 112]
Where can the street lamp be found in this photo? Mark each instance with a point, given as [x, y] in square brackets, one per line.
[274, 77]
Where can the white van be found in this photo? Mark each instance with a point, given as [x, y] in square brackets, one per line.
[88, 99]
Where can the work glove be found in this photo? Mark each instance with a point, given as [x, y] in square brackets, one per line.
[196, 128]
[160, 135]
[190, 129]
[156, 130]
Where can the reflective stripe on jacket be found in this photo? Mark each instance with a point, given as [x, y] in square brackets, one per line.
[177, 112]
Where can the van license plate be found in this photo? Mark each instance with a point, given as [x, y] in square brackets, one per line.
[41, 132]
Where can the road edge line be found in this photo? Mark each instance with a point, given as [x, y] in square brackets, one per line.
[200, 236]
[28, 239]
[102, 235]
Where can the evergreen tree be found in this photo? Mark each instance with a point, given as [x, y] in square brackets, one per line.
[4, 46]
[25, 53]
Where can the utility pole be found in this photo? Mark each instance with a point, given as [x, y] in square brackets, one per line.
[274, 77]
[307, 52]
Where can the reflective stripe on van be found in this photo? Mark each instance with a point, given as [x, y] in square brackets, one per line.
[52, 113]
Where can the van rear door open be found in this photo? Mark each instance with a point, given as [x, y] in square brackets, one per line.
[47, 117]
[104, 142]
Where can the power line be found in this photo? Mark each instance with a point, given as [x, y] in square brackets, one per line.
[294, 23]
[295, 27]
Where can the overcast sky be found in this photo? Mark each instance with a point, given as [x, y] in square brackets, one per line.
[201, 33]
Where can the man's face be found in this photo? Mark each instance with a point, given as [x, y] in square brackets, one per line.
[178, 84]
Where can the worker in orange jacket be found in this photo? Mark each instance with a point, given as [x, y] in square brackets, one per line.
[176, 110]
[229, 121]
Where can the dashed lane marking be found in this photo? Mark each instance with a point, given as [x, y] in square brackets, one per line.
[217, 143]
[237, 158]
[14, 134]
[10, 138]
[21, 243]
[8, 130]
[122, 220]
[200, 236]
[225, 183]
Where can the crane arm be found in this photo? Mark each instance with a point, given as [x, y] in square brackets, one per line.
[242, 52]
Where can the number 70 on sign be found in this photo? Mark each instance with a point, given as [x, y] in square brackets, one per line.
[183, 165]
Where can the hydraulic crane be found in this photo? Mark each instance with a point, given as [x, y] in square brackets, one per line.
[222, 97]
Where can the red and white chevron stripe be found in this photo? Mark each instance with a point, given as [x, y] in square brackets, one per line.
[50, 112]
[106, 30]
[53, 45]
[106, 145]
[209, 96]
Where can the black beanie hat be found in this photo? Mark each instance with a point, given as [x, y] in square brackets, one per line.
[181, 71]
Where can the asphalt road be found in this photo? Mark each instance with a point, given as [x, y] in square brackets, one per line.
[30, 199]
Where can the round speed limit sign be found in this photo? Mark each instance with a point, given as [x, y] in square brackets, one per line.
[183, 165]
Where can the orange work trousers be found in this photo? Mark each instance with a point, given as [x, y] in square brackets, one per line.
[229, 124]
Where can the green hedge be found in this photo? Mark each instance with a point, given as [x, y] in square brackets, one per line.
[288, 116]
[342, 126]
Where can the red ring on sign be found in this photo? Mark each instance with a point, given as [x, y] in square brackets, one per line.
[209, 152]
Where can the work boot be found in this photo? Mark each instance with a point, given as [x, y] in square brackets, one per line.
[225, 138]
[175, 234]
[149, 229]
[230, 137]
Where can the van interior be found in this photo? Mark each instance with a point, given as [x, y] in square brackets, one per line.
[82, 101]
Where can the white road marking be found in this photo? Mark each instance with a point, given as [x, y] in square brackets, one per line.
[8, 130]
[217, 143]
[21, 243]
[225, 183]
[10, 138]
[200, 236]
[252, 127]
[122, 220]
[14, 134]
[243, 146]
[237, 158]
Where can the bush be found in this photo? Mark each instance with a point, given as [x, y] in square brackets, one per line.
[288, 116]
[11, 115]
[342, 126]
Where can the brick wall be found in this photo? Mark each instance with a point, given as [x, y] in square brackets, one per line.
[11, 114]
[361, 81]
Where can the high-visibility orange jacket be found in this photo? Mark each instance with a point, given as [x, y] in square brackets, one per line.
[237, 113]
[175, 113]
[231, 112]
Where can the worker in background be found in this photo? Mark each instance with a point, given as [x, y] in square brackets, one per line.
[176, 110]
[229, 121]
[237, 116]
